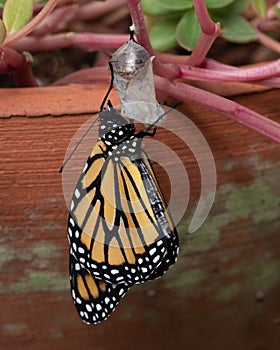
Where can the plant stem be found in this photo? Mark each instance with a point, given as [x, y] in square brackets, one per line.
[86, 76]
[267, 41]
[88, 41]
[209, 32]
[24, 75]
[64, 16]
[245, 74]
[221, 105]
[12, 58]
[19, 64]
[138, 20]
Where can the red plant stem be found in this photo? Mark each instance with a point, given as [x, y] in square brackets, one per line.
[206, 40]
[206, 23]
[216, 71]
[209, 32]
[94, 10]
[138, 20]
[11, 57]
[19, 64]
[273, 82]
[264, 39]
[24, 76]
[86, 76]
[231, 109]
[268, 25]
[268, 41]
[4, 67]
[61, 3]
[87, 41]
[62, 17]
[210, 63]
[59, 19]
[202, 47]
[143, 38]
[101, 74]
[245, 74]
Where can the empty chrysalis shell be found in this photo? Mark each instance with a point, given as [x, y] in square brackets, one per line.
[134, 82]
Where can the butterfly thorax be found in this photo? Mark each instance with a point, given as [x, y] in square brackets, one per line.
[129, 147]
[119, 140]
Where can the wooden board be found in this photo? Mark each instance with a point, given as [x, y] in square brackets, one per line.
[222, 294]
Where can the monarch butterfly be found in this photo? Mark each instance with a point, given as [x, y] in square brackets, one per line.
[119, 229]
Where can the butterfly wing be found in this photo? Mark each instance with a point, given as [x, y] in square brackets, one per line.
[119, 228]
[94, 299]
[163, 218]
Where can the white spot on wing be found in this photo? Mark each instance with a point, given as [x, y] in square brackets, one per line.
[88, 307]
[69, 232]
[152, 251]
[156, 259]
[85, 167]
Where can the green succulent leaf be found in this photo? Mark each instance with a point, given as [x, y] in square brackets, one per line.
[153, 8]
[16, 14]
[216, 4]
[276, 11]
[259, 6]
[234, 27]
[175, 4]
[162, 34]
[188, 30]
[238, 6]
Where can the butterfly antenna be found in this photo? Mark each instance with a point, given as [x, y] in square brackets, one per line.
[101, 108]
[76, 146]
